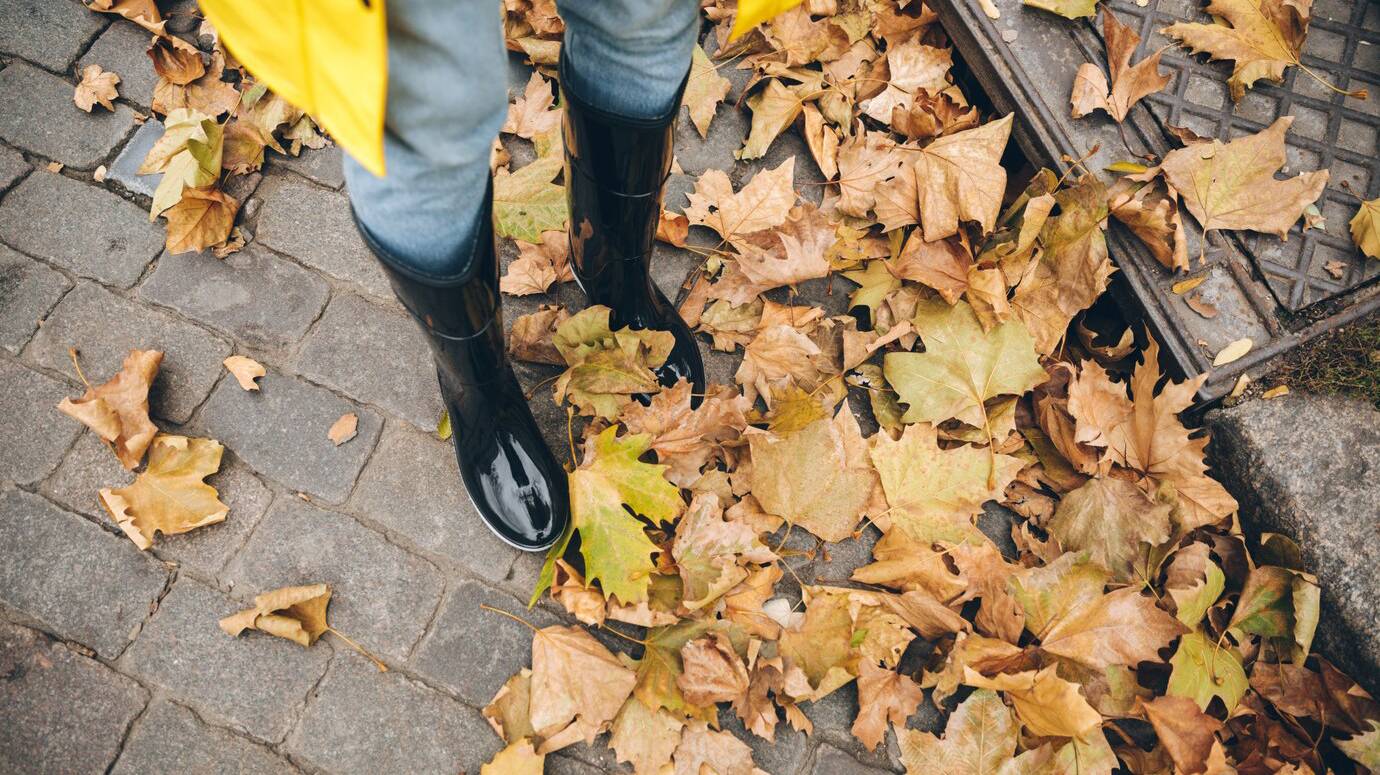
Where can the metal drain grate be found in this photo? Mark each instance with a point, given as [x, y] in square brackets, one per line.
[1278, 293]
[1330, 131]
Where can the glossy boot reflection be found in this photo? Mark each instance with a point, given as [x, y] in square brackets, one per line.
[515, 483]
[615, 172]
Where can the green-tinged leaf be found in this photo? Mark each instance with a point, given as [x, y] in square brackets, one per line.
[932, 493]
[617, 552]
[962, 365]
[527, 202]
[606, 367]
[1364, 749]
[1048, 594]
[1203, 670]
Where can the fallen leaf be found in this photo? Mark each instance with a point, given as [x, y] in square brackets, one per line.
[534, 113]
[704, 90]
[202, 218]
[884, 696]
[644, 738]
[210, 94]
[1232, 352]
[532, 336]
[703, 750]
[1364, 748]
[178, 64]
[709, 551]
[616, 550]
[1202, 670]
[1045, 703]
[1263, 37]
[1130, 82]
[188, 154]
[1186, 732]
[97, 87]
[688, 439]
[763, 203]
[1233, 186]
[712, 671]
[959, 178]
[1275, 392]
[297, 614]
[245, 371]
[934, 494]
[979, 737]
[118, 411]
[809, 478]
[1123, 627]
[606, 367]
[518, 758]
[1115, 523]
[1069, 9]
[577, 686]
[527, 202]
[169, 496]
[962, 366]
[1365, 227]
[344, 429]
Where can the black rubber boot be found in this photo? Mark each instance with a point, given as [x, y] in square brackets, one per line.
[615, 170]
[512, 478]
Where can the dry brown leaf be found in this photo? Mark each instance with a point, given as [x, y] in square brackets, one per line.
[176, 64]
[883, 696]
[1129, 82]
[202, 218]
[297, 614]
[118, 411]
[245, 371]
[577, 686]
[532, 336]
[534, 113]
[518, 758]
[959, 177]
[343, 429]
[812, 477]
[763, 203]
[1233, 185]
[704, 90]
[169, 496]
[97, 87]
[712, 671]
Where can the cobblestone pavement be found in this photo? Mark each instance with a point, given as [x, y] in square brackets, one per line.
[110, 658]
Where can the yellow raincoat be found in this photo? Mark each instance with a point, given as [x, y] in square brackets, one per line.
[330, 58]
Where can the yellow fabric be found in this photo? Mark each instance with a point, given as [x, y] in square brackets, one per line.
[327, 57]
[753, 12]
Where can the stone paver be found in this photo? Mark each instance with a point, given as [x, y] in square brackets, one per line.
[63, 713]
[39, 116]
[124, 171]
[382, 596]
[376, 355]
[91, 465]
[104, 328]
[12, 167]
[452, 657]
[784, 754]
[1306, 466]
[75, 579]
[412, 489]
[280, 431]
[314, 226]
[253, 295]
[85, 229]
[49, 32]
[28, 290]
[120, 49]
[831, 761]
[322, 165]
[256, 683]
[428, 732]
[34, 435]
[170, 740]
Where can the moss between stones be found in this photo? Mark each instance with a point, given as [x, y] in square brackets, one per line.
[1345, 361]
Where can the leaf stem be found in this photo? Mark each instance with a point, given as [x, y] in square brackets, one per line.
[377, 662]
[72, 351]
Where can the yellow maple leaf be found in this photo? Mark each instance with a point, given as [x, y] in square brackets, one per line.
[169, 497]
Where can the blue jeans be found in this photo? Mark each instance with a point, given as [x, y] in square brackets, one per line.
[448, 95]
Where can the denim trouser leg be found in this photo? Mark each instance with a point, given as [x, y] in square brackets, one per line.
[447, 98]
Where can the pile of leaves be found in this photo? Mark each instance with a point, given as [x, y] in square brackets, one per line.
[218, 123]
[1123, 624]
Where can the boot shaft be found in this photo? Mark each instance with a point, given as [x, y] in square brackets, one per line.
[616, 169]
